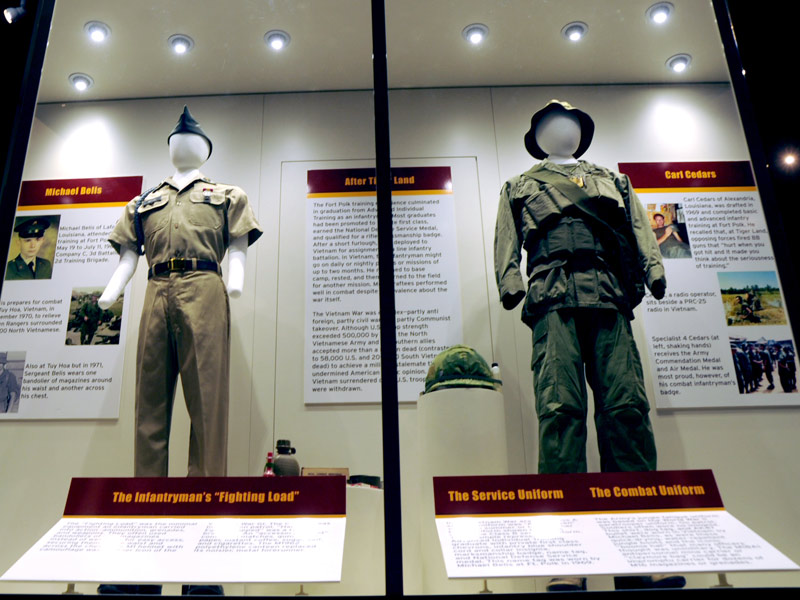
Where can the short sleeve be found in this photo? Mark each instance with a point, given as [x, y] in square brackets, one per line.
[241, 219]
[124, 232]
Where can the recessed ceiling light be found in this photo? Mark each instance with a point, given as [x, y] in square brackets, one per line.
[81, 81]
[180, 43]
[789, 160]
[277, 39]
[679, 63]
[660, 12]
[574, 31]
[97, 31]
[475, 33]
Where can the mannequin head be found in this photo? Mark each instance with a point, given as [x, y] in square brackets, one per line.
[560, 132]
[188, 150]
[559, 135]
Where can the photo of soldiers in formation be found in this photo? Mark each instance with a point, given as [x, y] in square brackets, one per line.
[88, 323]
[756, 362]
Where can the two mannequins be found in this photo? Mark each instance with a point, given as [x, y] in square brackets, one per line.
[184, 226]
[590, 254]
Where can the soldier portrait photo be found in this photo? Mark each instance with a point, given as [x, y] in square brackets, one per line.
[33, 247]
[12, 364]
[668, 226]
[88, 323]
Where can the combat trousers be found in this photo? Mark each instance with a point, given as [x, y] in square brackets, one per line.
[566, 343]
[185, 328]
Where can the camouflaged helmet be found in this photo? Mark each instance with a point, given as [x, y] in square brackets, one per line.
[460, 366]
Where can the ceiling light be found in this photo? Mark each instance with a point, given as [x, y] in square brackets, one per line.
[180, 43]
[97, 31]
[277, 39]
[789, 160]
[660, 12]
[81, 81]
[475, 33]
[13, 14]
[679, 63]
[574, 31]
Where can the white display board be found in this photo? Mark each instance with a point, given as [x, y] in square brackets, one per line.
[205, 530]
[592, 524]
[63, 351]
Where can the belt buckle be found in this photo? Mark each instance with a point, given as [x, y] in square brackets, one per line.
[176, 264]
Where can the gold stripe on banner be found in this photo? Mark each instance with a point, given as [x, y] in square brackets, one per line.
[580, 512]
[204, 517]
[400, 193]
[60, 206]
[745, 188]
[340, 194]
[420, 192]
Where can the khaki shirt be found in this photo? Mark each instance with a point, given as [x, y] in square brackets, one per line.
[195, 222]
[521, 198]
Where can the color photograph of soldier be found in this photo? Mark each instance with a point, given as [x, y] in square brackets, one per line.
[33, 246]
[88, 323]
[764, 366]
[12, 365]
[752, 298]
[669, 228]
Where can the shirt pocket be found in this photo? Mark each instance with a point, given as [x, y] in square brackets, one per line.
[153, 214]
[205, 209]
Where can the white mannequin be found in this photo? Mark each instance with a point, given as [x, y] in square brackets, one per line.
[188, 152]
[559, 134]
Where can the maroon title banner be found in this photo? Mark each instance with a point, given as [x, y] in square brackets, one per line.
[96, 190]
[206, 496]
[404, 179]
[575, 492]
[689, 174]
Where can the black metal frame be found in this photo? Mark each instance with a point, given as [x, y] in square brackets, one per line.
[20, 118]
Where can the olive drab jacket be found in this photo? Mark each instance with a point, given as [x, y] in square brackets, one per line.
[587, 237]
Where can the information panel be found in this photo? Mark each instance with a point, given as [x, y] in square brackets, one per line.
[593, 524]
[342, 351]
[198, 529]
[62, 352]
[721, 335]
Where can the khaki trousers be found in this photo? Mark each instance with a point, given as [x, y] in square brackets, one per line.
[185, 329]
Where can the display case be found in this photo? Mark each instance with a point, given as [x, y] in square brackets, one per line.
[375, 142]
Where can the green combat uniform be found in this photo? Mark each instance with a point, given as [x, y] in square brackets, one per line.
[9, 392]
[185, 325]
[590, 251]
[89, 314]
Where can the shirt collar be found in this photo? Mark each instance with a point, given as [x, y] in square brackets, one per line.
[171, 182]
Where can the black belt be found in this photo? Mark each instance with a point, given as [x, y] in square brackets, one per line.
[181, 265]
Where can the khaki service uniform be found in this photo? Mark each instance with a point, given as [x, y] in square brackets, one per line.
[590, 251]
[185, 324]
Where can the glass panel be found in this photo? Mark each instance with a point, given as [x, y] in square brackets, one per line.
[467, 81]
[280, 92]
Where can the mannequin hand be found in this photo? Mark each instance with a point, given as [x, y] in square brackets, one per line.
[659, 288]
[512, 300]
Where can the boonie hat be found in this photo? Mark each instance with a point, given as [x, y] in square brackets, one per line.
[587, 128]
[460, 366]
